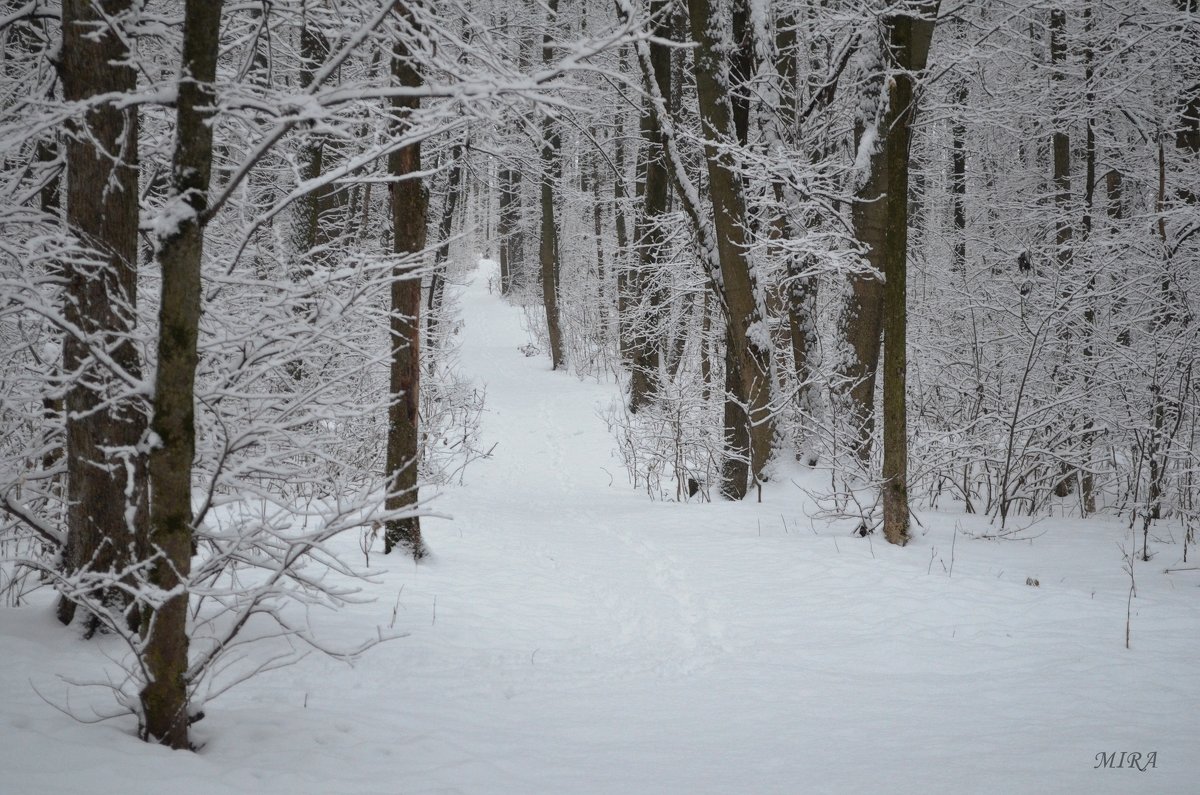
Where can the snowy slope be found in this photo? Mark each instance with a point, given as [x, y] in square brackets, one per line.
[570, 636]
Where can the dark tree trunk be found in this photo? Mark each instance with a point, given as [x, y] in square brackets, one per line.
[779, 123]
[749, 354]
[551, 158]
[643, 350]
[307, 226]
[601, 268]
[958, 179]
[1061, 145]
[410, 207]
[881, 221]
[510, 197]
[310, 236]
[621, 257]
[437, 280]
[180, 254]
[104, 424]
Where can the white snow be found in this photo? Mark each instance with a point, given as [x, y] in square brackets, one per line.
[570, 636]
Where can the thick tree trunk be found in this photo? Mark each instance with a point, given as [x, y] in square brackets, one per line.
[881, 221]
[410, 207]
[105, 474]
[749, 351]
[910, 37]
[180, 254]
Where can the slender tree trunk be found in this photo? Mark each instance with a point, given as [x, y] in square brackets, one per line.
[437, 284]
[621, 256]
[505, 225]
[551, 174]
[958, 179]
[309, 229]
[1060, 145]
[601, 269]
[705, 355]
[779, 120]
[1087, 484]
[104, 424]
[644, 356]
[306, 223]
[410, 207]
[180, 254]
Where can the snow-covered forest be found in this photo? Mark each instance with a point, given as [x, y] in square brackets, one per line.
[574, 396]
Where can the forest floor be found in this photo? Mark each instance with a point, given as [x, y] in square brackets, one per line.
[571, 636]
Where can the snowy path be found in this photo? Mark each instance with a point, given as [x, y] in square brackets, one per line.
[571, 637]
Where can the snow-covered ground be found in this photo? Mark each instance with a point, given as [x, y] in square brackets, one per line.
[570, 636]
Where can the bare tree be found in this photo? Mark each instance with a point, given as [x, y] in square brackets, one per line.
[410, 204]
[879, 312]
[180, 252]
[104, 422]
[548, 254]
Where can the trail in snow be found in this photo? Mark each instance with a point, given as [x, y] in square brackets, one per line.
[571, 637]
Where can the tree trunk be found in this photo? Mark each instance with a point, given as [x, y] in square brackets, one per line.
[306, 223]
[863, 312]
[601, 269]
[410, 207]
[506, 224]
[308, 226]
[104, 424]
[180, 254]
[1060, 145]
[749, 351]
[881, 222]
[778, 121]
[621, 256]
[437, 283]
[551, 173]
[958, 179]
[643, 351]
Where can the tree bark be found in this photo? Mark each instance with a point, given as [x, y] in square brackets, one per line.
[621, 256]
[644, 358]
[437, 280]
[551, 159]
[749, 351]
[881, 221]
[410, 207]
[179, 253]
[510, 198]
[1060, 144]
[105, 475]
